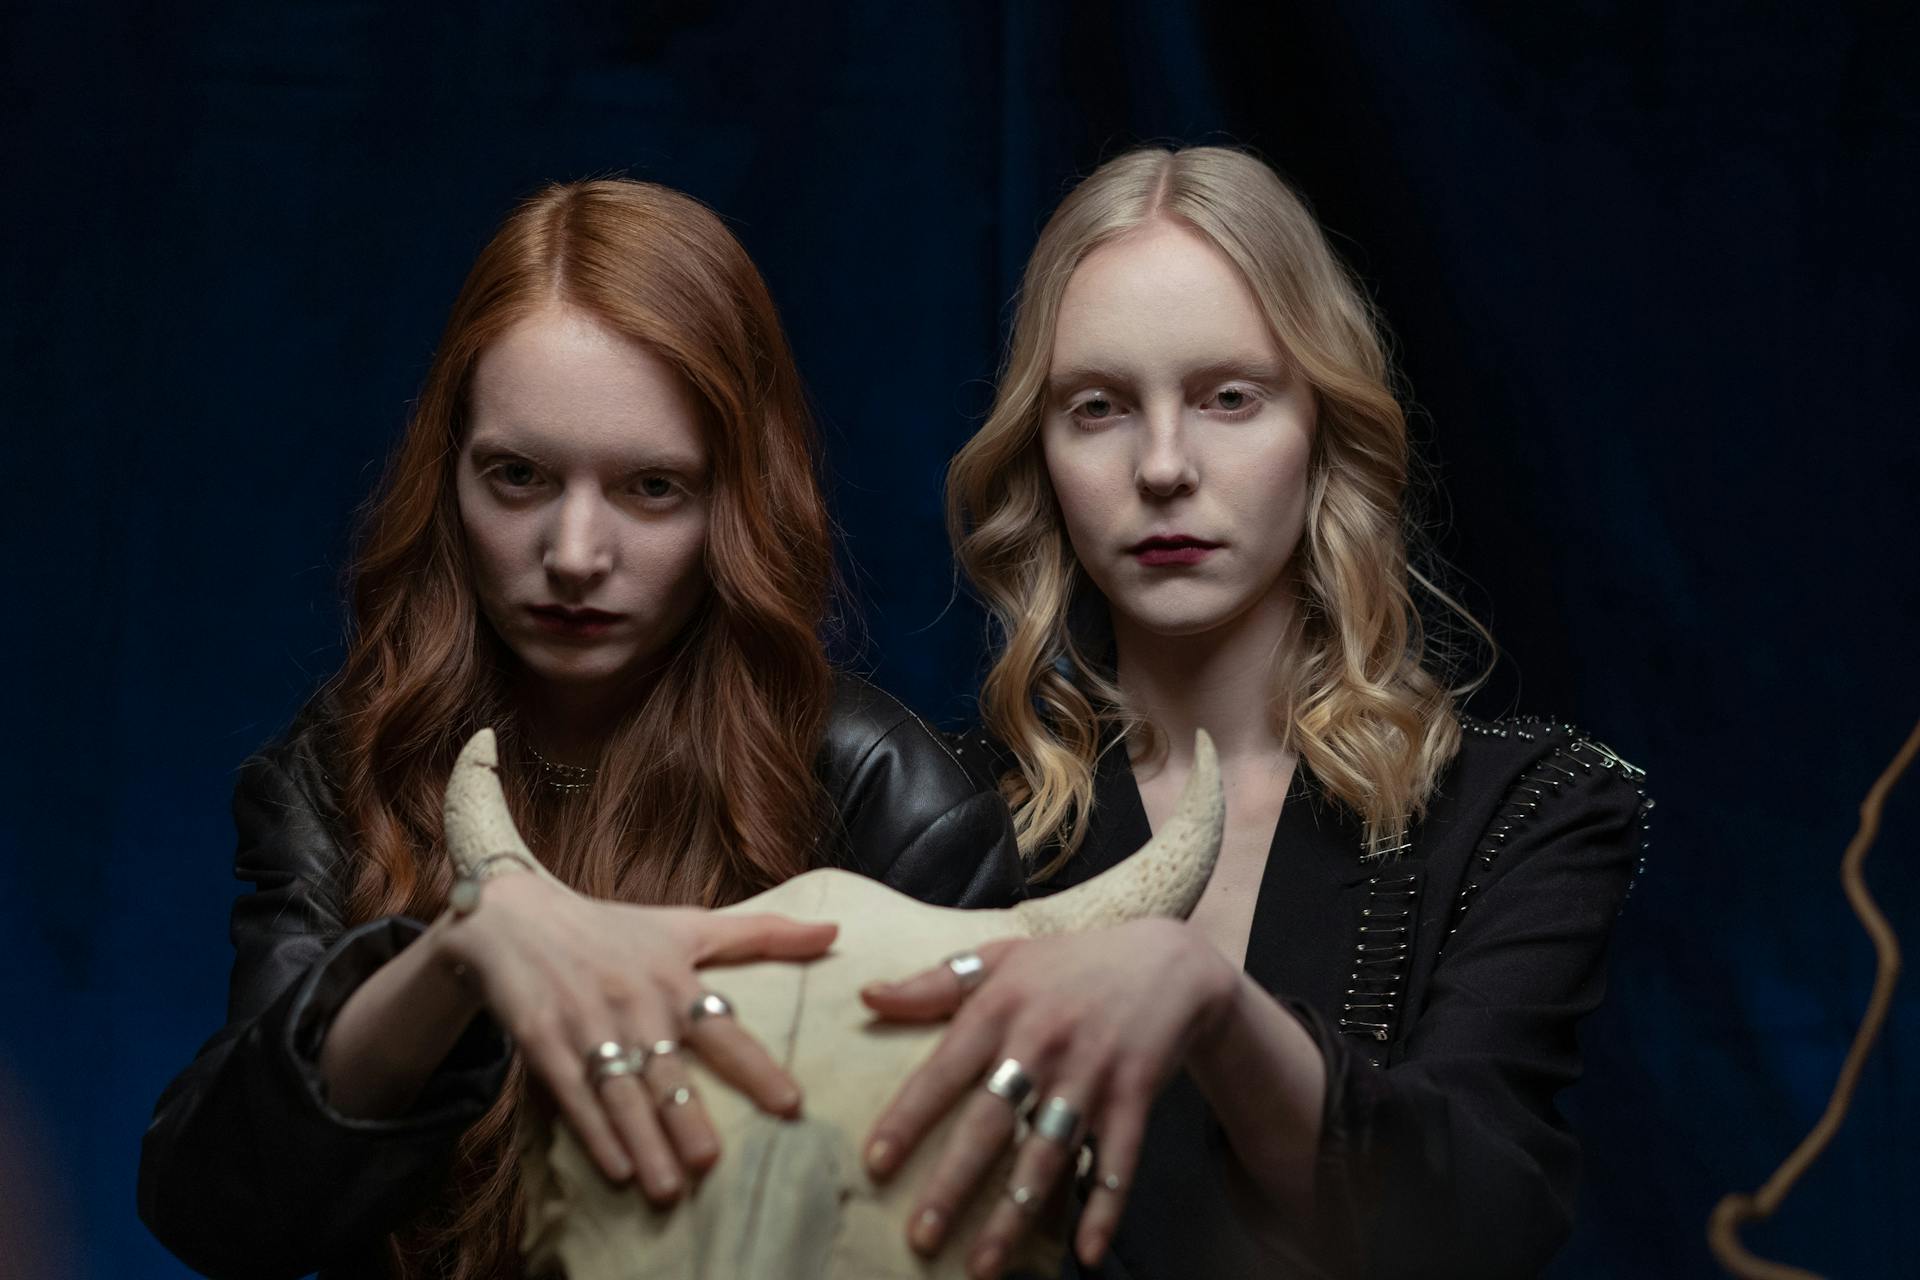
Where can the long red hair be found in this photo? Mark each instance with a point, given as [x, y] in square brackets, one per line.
[706, 790]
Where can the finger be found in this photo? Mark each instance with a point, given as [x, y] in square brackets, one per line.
[932, 995]
[681, 1113]
[979, 1138]
[631, 1111]
[957, 1064]
[559, 1067]
[1037, 1171]
[1121, 1125]
[734, 939]
[733, 1054]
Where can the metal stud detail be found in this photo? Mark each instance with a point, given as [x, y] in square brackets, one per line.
[1380, 954]
[1570, 761]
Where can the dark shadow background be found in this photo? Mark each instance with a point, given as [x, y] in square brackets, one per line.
[1650, 267]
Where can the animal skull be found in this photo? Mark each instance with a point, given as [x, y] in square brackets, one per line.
[791, 1198]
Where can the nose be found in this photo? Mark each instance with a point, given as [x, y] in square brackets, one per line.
[1164, 466]
[579, 543]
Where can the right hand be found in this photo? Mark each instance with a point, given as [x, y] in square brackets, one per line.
[563, 973]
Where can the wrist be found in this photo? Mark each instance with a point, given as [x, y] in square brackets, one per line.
[465, 895]
[1223, 999]
[450, 960]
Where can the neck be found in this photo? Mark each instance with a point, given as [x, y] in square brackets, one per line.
[569, 724]
[1220, 680]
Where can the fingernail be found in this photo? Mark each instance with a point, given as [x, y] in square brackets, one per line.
[621, 1171]
[1091, 1255]
[880, 1156]
[788, 1102]
[927, 1228]
[873, 990]
[986, 1263]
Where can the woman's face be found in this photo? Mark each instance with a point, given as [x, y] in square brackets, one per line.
[1176, 436]
[583, 494]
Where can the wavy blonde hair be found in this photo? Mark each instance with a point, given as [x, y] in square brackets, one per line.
[1356, 690]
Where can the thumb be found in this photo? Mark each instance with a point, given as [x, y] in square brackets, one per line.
[931, 994]
[736, 939]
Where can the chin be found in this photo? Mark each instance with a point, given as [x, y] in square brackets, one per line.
[578, 668]
[1182, 611]
[1188, 621]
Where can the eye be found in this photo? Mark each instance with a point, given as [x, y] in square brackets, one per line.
[1097, 407]
[512, 474]
[655, 486]
[1234, 402]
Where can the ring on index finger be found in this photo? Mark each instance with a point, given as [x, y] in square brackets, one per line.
[1010, 1083]
[968, 969]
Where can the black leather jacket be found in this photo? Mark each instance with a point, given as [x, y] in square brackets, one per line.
[247, 1171]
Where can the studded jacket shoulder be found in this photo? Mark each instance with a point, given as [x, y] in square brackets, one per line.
[1443, 975]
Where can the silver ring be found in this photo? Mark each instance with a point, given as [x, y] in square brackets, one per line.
[610, 1058]
[1010, 1082]
[968, 968]
[1025, 1199]
[711, 1004]
[1057, 1121]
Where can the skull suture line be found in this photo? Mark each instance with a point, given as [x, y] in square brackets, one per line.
[791, 1198]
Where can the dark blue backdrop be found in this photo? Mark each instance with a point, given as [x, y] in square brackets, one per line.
[1651, 268]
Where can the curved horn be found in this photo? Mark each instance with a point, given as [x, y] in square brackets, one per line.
[476, 820]
[1164, 878]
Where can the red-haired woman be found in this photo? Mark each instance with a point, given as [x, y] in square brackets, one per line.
[601, 535]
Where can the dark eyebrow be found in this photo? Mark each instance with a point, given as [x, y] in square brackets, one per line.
[632, 464]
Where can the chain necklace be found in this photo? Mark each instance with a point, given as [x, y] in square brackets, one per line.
[562, 777]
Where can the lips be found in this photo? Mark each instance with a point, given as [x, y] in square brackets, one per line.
[566, 614]
[572, 623]
[1171, 549]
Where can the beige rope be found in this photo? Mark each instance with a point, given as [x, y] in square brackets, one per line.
[1736, 1210]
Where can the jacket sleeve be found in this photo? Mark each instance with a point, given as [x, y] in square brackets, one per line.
[245, 1169]
[911, 813]
[1454, 1160]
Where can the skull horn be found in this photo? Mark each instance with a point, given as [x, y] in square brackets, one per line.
[1164, 878]
[476, 820]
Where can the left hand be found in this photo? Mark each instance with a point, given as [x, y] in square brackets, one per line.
[1099, 1020]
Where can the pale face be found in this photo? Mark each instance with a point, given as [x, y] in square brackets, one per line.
[1176, 436]
[583, 493]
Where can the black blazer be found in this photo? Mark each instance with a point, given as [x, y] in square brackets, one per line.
[246, 1170]
[1443, 982]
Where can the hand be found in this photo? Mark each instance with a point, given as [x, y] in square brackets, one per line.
[1100, 1020]
[564, 973]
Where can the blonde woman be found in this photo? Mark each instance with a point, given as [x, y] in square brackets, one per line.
[1186, 511]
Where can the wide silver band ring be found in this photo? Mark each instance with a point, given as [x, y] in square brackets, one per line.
[1010, 1083]
[1057, 1121]
[610, 1058]
[968, 969]
[711, 1004]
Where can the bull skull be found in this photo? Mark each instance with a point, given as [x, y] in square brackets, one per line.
[791, 1198]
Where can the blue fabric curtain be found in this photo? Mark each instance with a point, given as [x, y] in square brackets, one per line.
[1651, 271]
